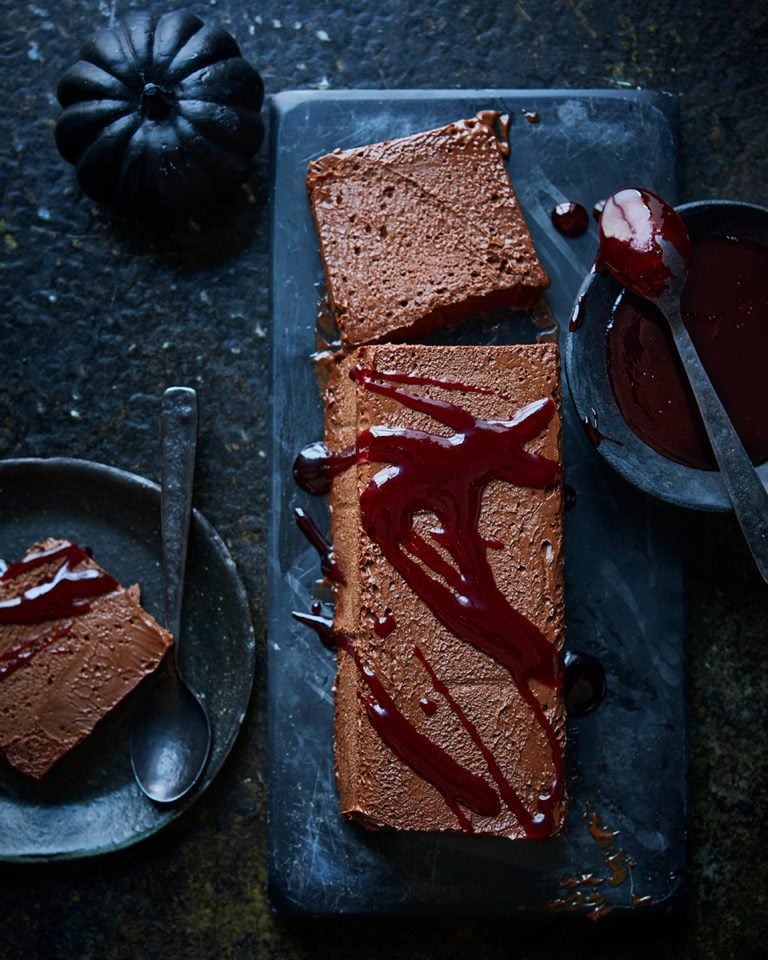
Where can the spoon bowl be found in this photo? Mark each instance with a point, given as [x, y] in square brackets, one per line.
[171, 735]
[170, 740]
[588, 377]
[644, 244]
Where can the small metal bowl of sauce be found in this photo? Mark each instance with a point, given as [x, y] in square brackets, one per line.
[628, 384]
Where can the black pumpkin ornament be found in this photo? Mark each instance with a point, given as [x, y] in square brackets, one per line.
[161, 114]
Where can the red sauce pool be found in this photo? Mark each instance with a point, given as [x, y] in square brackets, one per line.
[725, 308]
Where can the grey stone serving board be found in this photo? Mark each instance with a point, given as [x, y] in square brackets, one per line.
[626, 761]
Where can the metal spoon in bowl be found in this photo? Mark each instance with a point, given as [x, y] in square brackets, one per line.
[171, 735]
[645, 245]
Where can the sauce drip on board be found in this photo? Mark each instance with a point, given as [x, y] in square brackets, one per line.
[460, 592]
[570, 218]
[585, 685]
[724, 305]
[311, 531]
[385, 624]
[315, 467]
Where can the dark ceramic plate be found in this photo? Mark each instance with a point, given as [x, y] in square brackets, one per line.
[90, 803]
[585, 364]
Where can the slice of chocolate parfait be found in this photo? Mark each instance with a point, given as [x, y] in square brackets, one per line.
[73, 644]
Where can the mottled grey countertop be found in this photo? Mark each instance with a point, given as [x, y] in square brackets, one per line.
[96, 319]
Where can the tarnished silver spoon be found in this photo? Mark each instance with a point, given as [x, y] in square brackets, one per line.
[644, 244]
[171, 736]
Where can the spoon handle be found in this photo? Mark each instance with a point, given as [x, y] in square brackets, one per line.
[746, 490]
[178, 430]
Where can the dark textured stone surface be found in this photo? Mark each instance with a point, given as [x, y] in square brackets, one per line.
[96, 319]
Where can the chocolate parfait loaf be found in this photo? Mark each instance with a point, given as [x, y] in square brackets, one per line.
[73, 644]
[421, 232]
[447, 528]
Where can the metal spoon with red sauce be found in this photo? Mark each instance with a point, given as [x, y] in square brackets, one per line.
[645, 245]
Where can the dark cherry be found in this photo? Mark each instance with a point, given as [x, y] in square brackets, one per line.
[570, 219]
[38, 558]
[585, 685]
[644, 243]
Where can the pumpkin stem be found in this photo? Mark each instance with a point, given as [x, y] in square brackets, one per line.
[156, 102]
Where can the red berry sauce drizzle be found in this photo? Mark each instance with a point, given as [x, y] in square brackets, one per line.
[500, 122]
[65, 594]
[462, 595]
[23, 653]
[311, 531]
[429, 760]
